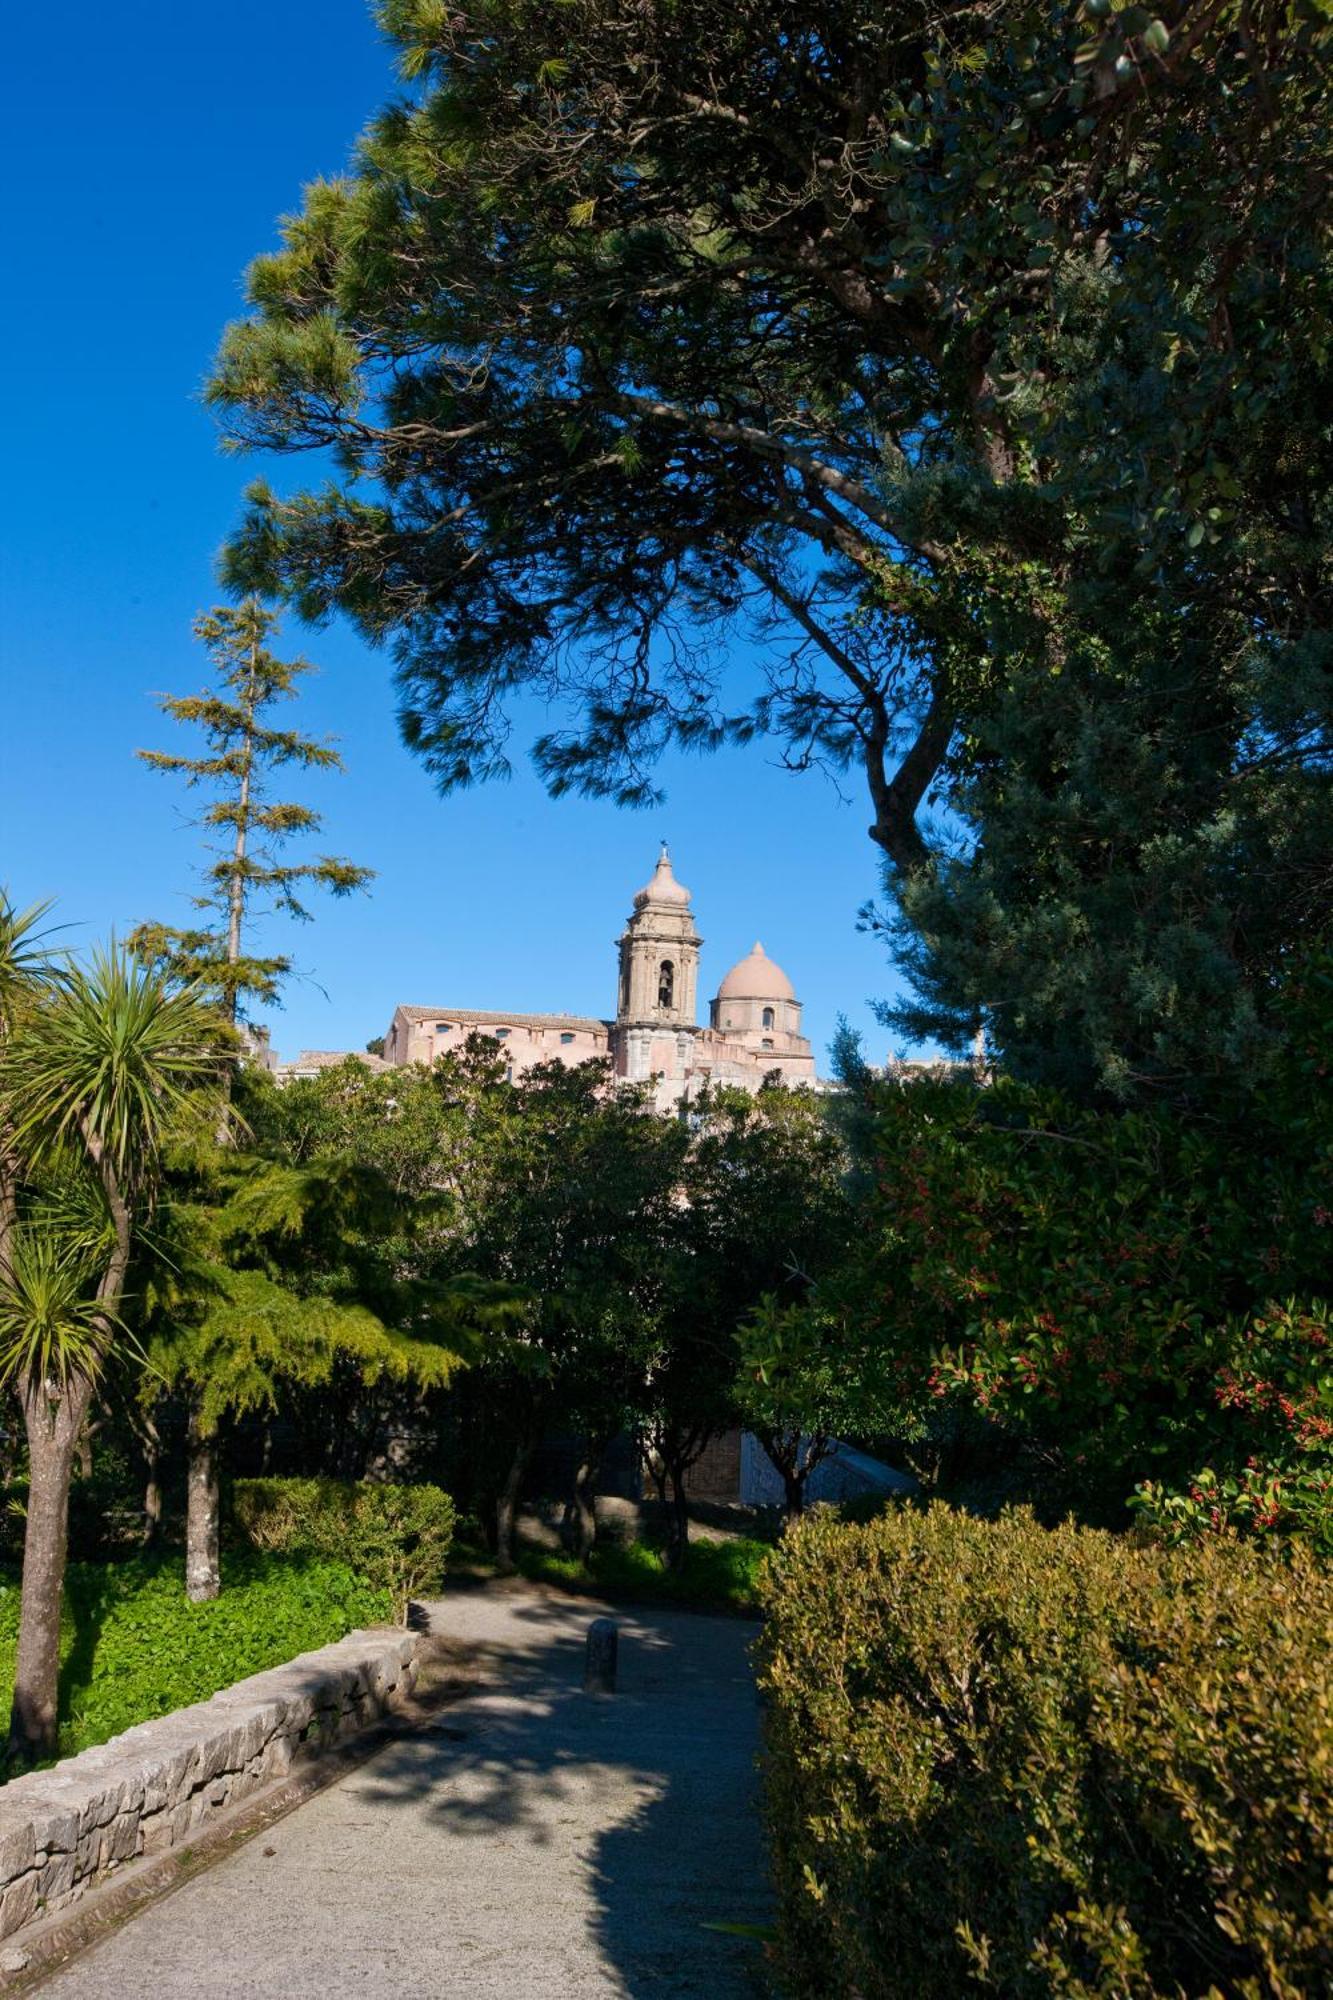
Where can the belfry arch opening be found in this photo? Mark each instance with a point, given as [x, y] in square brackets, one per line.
[769, 1017]
[666, 984]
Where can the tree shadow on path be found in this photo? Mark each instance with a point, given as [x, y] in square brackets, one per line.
[609, 1830]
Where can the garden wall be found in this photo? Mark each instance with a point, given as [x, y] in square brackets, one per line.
[65, 1829]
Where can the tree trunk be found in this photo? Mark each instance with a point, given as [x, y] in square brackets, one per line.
[149, 1440]
[53, 1419]
[152, 1504]
[793, 1486]
[657, 1472]
[203, 1576]
[83, 1449]
[579, 1531]
[678, 1520]
[506, 1509]
[783, 1450]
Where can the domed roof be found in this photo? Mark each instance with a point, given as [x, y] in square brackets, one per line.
[756, 978]
[664, 888]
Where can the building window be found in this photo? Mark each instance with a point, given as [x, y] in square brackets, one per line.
[501, 1034]
[565, 1041]
[766, 1043]
[443, 1027]
[769, 1020]
[666, 983]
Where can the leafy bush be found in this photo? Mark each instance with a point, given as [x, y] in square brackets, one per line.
[1038, 1762]
[397, 1537]
[1135, 1298]
[133, 1646]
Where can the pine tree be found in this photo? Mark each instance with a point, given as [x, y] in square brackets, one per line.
[251, 827]
[245, 872]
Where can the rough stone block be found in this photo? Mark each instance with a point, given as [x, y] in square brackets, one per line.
[103, 1792]
[18, 1903]
[277, 1759]
[300, 1707]
[56, 1877]
[17, 1848]
[242, 1784]
[56, 1825]
[155, 1833]
[120, 1840]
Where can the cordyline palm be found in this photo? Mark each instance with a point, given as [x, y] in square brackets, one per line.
[51, 1323]
[24, 970]
[98, 1065]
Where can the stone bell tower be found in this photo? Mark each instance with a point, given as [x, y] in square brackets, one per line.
[659, 969]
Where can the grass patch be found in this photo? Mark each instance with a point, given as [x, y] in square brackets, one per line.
[132, 1646]
[718, 1576]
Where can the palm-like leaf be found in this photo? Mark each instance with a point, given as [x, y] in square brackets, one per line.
[69, 1203]
[51, 1322]
[25, 964]
[116, 1058]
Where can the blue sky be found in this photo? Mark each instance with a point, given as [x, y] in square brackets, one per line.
[150, 149]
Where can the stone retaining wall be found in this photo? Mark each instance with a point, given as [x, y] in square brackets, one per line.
[146, 1791]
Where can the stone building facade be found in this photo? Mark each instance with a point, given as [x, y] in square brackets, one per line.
[754, 1020]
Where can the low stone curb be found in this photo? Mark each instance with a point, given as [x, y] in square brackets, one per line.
[65, 1830]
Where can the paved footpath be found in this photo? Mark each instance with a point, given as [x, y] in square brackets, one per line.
[530, 1841]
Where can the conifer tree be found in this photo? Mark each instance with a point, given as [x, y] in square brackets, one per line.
[250, 827]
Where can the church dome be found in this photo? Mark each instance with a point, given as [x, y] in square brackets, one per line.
[664, 888]
[756, 977]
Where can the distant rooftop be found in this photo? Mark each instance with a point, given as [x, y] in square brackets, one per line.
[313, 1059]
[475, 1016]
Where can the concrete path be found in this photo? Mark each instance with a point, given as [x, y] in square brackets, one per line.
[532, 1841]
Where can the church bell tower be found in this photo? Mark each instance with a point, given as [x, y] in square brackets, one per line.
[656, 1012]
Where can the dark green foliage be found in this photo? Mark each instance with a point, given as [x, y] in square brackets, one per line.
[133, 1646]
[1010, 1760]
[1134, 1299]
[764, 1215]
[623, 1252]
[396, 1537]
[1145, 850]
[972, 363]
[295, 1268]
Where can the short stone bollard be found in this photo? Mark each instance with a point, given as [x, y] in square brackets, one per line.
[599, 1667]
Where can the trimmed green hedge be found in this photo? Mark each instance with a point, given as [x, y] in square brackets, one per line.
[132, 1646]
[1033, 1762]
[398, 1537]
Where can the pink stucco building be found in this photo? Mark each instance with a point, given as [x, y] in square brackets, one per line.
[754, 1021]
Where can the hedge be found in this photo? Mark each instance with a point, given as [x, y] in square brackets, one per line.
[397, 1537]
[1008, 1759]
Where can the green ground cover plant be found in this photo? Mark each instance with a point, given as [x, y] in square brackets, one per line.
[396, 1537]
[1009, 1759]
[132, 1646]
[720, 1576]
